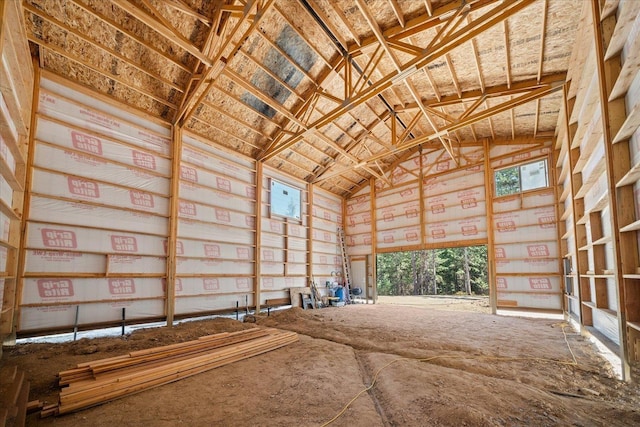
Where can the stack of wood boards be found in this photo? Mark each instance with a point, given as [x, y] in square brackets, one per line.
[97, 382]
[14, 394]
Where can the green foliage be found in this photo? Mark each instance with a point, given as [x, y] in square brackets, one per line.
[429, 272]
[507, 181]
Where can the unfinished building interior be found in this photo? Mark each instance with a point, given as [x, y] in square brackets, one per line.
[168, 159]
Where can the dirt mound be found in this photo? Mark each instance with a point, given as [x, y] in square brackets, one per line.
[286, 317]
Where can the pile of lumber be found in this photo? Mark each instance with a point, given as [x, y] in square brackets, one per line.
[103, 380]
[14, 394]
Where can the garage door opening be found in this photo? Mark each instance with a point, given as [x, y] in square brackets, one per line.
[447, 271]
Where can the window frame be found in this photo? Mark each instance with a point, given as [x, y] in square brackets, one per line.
[519, 167]
[289, 187]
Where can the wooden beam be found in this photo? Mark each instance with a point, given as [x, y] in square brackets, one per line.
[543, 32]
[184, 8]
[172, 238]
[374, 238]
[10, 320]
[328, 23]
[606, 74]
[165, 29]
[80, 61]
[129, 61]
[489, 112]
[481, 24]
[257, 285]
[421, 23]
[397, 11]
[116, 26]
[337, 13]
[212, 73]
[507, 53]
[304, 37]
[240, 81]
[310, 205]
[474, 49]
[491, 258]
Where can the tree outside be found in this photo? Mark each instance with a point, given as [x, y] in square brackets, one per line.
[446, 271]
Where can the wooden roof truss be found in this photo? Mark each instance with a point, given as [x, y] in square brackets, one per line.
[333, 92]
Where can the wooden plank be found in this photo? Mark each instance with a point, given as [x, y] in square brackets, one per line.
[631, 123]
[108, 387]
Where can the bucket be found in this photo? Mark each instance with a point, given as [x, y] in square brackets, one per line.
[339, 292]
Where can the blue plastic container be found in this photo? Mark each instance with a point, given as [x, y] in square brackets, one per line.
[340, 293]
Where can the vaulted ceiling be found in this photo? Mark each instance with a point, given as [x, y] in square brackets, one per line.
[331, 91]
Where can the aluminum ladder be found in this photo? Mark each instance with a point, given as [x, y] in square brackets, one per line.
[346, 266]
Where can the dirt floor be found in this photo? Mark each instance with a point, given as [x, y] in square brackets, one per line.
[434, 362]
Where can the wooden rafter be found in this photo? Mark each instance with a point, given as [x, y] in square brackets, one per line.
[397, 11]
[162, 27]
[482, 115]
[113, 24]
[195, 97]
[186, 9]
[340, 15]
[328, 23]
[543, 32]
[240, 81]
[83, 62]
[244, 106]
[422, 23]
[454, 77]
[507, 53]
[492, 92]
[129, 61]
[466, 33]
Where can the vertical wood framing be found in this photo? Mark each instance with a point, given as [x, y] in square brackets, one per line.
[18, 283]
[170, 302]
[491, 260]
[423, 222]
[607, 73]
[554, 179]
[257, 281]
[577, 206]
[374, 241]
[309, 232]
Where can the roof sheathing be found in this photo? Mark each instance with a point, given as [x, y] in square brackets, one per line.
[270, 86]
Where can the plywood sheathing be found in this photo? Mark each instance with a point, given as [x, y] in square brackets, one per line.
[288, 57]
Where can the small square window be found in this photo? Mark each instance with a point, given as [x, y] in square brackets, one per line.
[524, 177]
[285, 200]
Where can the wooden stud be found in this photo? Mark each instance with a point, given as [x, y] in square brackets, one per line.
[491, 259]
[374, 240]
[10, 320]
[310, 247]
[172, 238]
[257, 285]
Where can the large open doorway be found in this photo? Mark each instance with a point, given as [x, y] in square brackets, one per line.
[447, 271]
